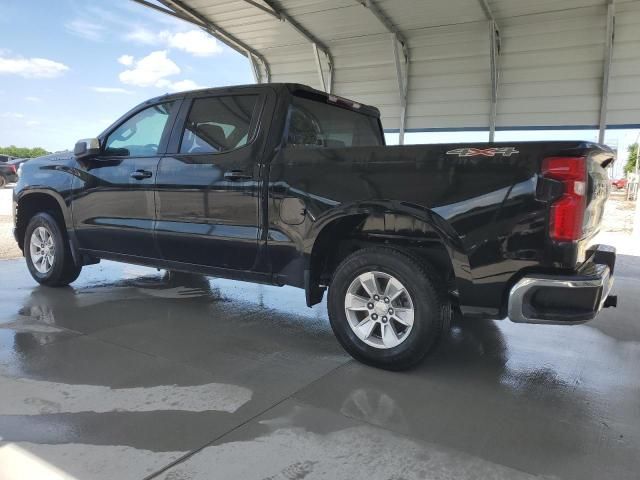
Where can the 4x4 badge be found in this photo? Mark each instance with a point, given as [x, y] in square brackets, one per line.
[483, 152]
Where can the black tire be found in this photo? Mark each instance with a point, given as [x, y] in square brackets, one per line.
[63, 271]
[3, 181]
[432, 309]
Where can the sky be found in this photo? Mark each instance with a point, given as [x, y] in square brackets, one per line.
[69, 68]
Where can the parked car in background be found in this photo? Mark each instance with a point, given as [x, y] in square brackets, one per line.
[286, 185]
[5, 158]
[8, 173]
[18, 162]
[619, 183]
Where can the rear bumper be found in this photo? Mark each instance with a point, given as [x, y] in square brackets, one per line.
[565, 299]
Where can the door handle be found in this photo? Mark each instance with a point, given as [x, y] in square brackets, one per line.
[235, 175]
[141, 174]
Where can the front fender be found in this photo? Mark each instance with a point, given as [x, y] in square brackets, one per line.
[64, 205]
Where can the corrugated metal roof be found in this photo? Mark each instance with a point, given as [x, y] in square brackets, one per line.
[550, 65]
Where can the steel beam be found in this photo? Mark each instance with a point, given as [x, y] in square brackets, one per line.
[316, 53]
[265, 8]
[270, 7]
[384, 20]
[255, 68]
[606, 69]
[403, 79]
[397, 38]
[494, 53]
[190, 15]
[487, 10]
[166, 11]
[494, 57]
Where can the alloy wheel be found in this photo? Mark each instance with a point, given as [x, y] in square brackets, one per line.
[42, 249]
[379, 309]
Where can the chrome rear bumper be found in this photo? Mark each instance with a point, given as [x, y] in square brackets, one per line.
[561, 299]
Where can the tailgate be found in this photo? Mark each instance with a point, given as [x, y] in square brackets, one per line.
[578, 189]
[598, 187]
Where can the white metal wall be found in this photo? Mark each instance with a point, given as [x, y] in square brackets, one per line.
[624, 87]
[450, 79]
[550, 67]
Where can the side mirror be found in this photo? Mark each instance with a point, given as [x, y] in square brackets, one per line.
[87, 148]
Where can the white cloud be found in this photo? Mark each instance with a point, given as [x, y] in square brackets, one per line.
[150, 70]
[33, 99]
[143, 35]
[32, 67]
[88, 30]
[178, 86]
[111, 90]
[125, 60]
[11, 115]
[32, 123]
[195, 42]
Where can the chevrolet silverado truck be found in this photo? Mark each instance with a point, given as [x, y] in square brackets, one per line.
[285, 185]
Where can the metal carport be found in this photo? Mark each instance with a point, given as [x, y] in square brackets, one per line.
[433, 65]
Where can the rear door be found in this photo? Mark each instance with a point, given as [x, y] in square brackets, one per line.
[208, 210]
[114, 209]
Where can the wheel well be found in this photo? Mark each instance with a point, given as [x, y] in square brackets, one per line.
[32, 204]
[344, 236]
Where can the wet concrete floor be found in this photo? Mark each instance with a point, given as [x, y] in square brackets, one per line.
[134, 374]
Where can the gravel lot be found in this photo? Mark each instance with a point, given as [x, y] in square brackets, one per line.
[8, 246]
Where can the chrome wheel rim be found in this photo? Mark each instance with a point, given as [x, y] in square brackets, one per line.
[42, 250]
[379, 309]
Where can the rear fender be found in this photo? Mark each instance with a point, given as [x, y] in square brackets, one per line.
[386, 222]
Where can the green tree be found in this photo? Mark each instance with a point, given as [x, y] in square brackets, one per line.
[23, 152]
[630, 166]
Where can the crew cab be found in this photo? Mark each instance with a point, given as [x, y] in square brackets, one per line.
[286, 185]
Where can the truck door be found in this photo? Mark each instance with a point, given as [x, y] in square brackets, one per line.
[208, 191]
[114, 207]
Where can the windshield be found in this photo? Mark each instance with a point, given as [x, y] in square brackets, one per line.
[313, 123]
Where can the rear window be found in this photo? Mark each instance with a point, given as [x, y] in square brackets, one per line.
[314, 124]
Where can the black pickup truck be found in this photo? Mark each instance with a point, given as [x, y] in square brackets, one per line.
[286, 185]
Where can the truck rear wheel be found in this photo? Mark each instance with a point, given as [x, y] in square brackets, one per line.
[387, 307]
[47, 252]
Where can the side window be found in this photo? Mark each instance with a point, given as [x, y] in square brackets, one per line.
[140, 135]
[304, 129]
[218, 124]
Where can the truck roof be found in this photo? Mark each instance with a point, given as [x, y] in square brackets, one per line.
[291, 87]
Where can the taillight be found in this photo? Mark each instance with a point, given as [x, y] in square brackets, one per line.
[13, 168]
[567, 212]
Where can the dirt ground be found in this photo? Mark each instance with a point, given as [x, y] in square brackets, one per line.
[618, 214]
[616, 229]
[8, 246]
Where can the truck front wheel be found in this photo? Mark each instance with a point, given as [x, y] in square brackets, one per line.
[387, 307]
[47, 252]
